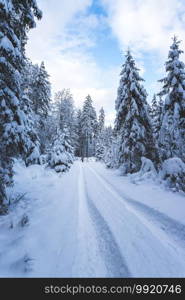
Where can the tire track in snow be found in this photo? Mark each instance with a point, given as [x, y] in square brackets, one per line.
[170, 226]
[116, 266]
[88, 262]
[147, 220]
[108, 247]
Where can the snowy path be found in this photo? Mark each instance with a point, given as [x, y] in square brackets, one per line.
[85, 224]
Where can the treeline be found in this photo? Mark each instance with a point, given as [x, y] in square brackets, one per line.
[73, 132]
[36, 129]
[151, 137]
[17, 133]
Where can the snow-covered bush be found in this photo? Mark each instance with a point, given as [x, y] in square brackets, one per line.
[110, 157]
[100, 152]
[146, 172]
[34, 157]
[111, 153]
[173, 172]
[61, 156]
[43, 159]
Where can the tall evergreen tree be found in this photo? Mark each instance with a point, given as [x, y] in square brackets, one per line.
[16, 18]
[65, 109]
[79, 133]
[89, 127]
[132, 121]
[100, 143]
[154, 107]
[108, 136]
[156, 116]
[112, 143]
[172, 133]
[101, 120]
[31, 151]
[66, 115]
[40, 90]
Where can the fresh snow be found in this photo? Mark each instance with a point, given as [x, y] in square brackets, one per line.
[91, 222]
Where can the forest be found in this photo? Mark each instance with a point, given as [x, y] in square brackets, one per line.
[46, 129]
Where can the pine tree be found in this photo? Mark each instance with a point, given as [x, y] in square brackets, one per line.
[108, 136]
[161, 108]
[101, 120]
[132, 121]
[154, 107]
[172, 133]
[62, 154]
[16, 18]
[156, 115]
[31, 152]
[41, 91]
[79, 146]
[111, 156]
[66, 113]
[65, 106]
[100, 146]
[66, 116]
[89, 127]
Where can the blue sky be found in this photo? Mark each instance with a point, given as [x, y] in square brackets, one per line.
[83, 42]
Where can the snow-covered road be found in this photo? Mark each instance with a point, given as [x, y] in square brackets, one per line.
[86, 223]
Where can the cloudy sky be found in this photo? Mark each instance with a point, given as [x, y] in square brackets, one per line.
[82, 43]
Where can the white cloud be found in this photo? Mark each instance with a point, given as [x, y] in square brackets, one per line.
[51, 31]
[83, 76]
[63, 39]
[67, 33]
[146, 24]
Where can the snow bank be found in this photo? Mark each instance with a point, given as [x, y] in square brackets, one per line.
[149, 193]
[146, 173]
[34, 157]
[33, 220]
[173, 173]
[43, 159]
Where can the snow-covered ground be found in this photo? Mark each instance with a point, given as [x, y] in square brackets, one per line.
[91, 222]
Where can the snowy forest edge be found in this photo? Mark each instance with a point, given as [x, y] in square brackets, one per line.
[147, 141]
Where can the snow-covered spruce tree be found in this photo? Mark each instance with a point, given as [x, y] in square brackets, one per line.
[65, 112]
[65, 108]
[172, 133]
[40, 95]
[62, 154]
[133, 124]
[89, 127]
[16, 17]
[31, 153]
[101, 120]
[100, 145]
[111, 146]
[78, 130]
[156, 116]
[108, 136]
[153, 107]
[160, 112]
[111, 155]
